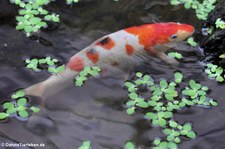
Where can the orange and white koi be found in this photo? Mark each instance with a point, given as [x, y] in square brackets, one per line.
[122, 50]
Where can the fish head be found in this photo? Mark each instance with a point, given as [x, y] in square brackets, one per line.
[174, 32]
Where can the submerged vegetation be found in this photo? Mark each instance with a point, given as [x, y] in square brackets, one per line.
[159, 102]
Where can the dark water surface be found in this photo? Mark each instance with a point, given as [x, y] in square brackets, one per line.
[96, 111]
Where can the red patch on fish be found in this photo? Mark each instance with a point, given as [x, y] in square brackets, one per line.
[151, 34]
[76, 63]
[144, 33]
[93, 55]
[106, 43]
[129, 49]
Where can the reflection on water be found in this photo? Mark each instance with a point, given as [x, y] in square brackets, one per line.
[96, 112]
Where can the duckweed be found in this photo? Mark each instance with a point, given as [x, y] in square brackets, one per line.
[202, 9]
[175, 55]
[164, 98]
[129, 145]
[191, 42]
[32, 16]
[85, 145]
[215, 72]
[48, 62]
[85, 74]
[220, 23]
[18, 106]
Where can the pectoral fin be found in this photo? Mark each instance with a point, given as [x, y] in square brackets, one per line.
[167, 59]
[164, 47]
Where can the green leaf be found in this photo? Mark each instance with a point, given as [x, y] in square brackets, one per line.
[79, 83]
[168, 114]
[133, 96]
[162, 122]
[35, 20]
[143, 104]
[48, 17]
[213, 103]
[172, 145]
[163, 145]
[187, 127]
[192, 42]
[129, 145]
[219, 79]
[163, 83]
[222, 56]
[42, 61]
[191, 135]
[150, 115]
[167, 131]
[23, 113]
[11, 110]
[52, 70]
[60, 68]
[130, 103]
[94, 73]
[3, 115]
[194, 85]
[130, 111]
[8, 105]
[28, 29]
[21, 101]
[169, 97]
[178, 77]
[128, 84]
[146, 78]
[173, 124]
[189, 92]
[85, 145]
[139, 74]
[157, 141]
[35, 109]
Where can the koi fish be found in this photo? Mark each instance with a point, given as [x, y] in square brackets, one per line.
[121, 50]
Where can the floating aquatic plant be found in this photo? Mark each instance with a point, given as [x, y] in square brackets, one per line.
[85, 74]
[220, 23]
[32, 16]
[85, 145]
[163, 99]
[202, 9]
[192, 42]
[35, 64]
[175, 55]
[18, 105]
[72, 1]
[215, 72]
[129, 145]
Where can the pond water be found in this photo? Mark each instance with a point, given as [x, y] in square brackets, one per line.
[96, 111]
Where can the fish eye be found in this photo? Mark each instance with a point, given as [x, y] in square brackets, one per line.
[174, 36]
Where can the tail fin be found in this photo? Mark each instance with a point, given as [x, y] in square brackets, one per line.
[52, 85]
[35, 90]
